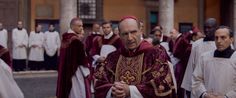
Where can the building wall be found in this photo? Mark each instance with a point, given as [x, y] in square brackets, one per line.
[9, 14]
[114, 9]
[44, 9]
[212, 9]
[185, 11]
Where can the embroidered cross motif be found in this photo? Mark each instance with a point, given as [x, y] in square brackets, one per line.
[127, 77]
[129, 69]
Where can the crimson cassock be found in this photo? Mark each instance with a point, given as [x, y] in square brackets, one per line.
[89, 43]
[181, 50]
[147, 69]
[90, 40]
[97, 45]
[5, 55]
[72, 55]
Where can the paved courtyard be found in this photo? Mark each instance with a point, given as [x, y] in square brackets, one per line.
[37, 84]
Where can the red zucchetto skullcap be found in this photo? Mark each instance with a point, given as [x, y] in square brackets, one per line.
[195, 30]
[128, 17]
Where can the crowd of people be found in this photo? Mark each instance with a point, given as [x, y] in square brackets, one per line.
[126, 62]
[43, 48]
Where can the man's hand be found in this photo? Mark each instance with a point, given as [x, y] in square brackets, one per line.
[126, 88]
[21, 46]
[210, 95]
[219, 96]
[34, 46]
[101, 59]
[120, 90]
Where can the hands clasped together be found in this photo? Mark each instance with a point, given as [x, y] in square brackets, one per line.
[120, 90]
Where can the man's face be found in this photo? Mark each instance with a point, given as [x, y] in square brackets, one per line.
[77, 27]
[157, 35]
[116, 31]
[130, 33]
[51, 27]
[20, 24]
[222, 39]
[96, 27]
[1, 26]
[174, 34]
[141, 27]
[106, 28]
[39, 28]
[81, 35]
[209, 27]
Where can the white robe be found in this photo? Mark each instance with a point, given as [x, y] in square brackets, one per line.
[3, 38]
[108, 50]
[78, 89]
[8, 86]
[37, 53]
[198, 48]
[19, 37]
[52, 42]
[216, 75]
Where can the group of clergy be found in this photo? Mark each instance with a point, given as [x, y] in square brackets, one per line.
[127, 64]
[204, 64]
[43, 48]
[202, 61]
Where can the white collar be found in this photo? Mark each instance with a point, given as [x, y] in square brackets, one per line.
[179, 35]
[70, 31]
[108, 36]
[95, 32]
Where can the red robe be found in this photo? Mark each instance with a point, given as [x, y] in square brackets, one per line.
[72, 55]
[147, 69]
[90, 40]
[181, 50]
[89, 43]
[5, 55]
[114, 40]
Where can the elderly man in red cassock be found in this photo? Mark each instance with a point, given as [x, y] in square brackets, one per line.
[138, 70]
[73, 70]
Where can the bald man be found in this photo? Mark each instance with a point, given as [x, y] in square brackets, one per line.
[73, 69]
[138, 70]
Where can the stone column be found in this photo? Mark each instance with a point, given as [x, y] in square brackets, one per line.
[234, 24]
[24, 15]
[67, 12]
[166, 15]
[201, 14]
